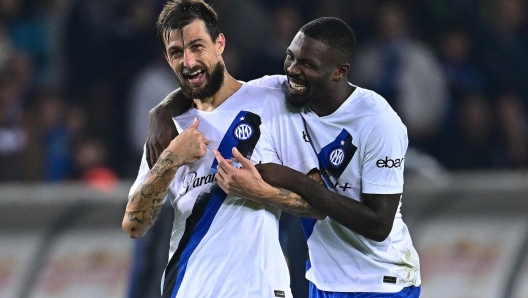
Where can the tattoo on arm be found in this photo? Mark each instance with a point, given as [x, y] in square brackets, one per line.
[293, 203]
[148, 200]
[164, 164]
[137, 216]
[157, 203]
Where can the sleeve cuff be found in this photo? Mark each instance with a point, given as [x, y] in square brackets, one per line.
[371, 188]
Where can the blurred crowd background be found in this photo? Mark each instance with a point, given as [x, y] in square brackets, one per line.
[78, 77]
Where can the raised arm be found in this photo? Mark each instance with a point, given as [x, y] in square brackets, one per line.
[145, 203]
[161, 129]
[246, 182]
[372, 218]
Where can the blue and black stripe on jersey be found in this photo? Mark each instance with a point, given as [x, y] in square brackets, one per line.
[333, 158]
[208, 203]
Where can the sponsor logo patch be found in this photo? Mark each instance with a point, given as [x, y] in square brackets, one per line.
[390, 163]
[389, 279]
[279, 293]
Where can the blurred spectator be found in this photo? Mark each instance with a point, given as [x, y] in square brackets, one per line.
[101, 53]
[6, 47]
[90, 165]
[512, 125]
[109, 42]
[13, 136]
[504, 44]
[435, 17]
[405, 72]
[150, 86]
[16, 78]
[473, 142]
[464, 80]
[53, 134]
[286, 21]
[456, 56]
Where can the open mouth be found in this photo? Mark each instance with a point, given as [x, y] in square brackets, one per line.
[195, 77]
[296, 86]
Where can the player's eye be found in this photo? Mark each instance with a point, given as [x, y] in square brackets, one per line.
[175, 53]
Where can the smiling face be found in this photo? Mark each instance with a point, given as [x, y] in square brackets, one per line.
[196, 59]
[311, 68]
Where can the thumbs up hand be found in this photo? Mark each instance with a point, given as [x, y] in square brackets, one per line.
[190, 145]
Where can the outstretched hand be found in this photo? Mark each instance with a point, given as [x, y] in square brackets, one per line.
[244, 182]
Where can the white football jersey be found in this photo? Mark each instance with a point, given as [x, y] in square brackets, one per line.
[226, 246]
[361, 149]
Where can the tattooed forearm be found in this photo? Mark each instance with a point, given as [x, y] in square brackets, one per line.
[144, 205]
[164, 164]
[137, 216]
[147, 190]
[156, 209]
[155, 213]
[295, 204]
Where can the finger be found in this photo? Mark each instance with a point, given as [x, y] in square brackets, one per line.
[246, 163]
[222, 163]
[219, 177]
[221, 171]
[225, 165]
[221, 182]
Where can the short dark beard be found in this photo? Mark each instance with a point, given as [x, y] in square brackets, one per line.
[292, 102]
[215, 80]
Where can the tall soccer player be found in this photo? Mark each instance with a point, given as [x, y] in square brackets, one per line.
[221, 245]
[363, 247]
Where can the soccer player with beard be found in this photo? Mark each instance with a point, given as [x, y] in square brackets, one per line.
[363, 247]
[221, 245]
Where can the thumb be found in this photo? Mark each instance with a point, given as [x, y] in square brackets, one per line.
[195, 123]
[246, 163]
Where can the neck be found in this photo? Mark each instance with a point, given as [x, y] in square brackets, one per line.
[229, 87]
[333, 100]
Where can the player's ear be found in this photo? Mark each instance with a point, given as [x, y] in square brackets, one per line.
[220, 44]
[342, 71]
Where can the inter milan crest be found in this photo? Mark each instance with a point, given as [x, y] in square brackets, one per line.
[336, 156]
[243, 131]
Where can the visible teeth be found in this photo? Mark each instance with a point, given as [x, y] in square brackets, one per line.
[195, 72]
[296, 86]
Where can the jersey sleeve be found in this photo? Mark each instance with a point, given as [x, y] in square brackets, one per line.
[384, 155]
[142, 173]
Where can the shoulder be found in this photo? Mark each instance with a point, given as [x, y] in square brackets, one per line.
[374, 107]
[373, 117]
[264, 94]
[273, 81]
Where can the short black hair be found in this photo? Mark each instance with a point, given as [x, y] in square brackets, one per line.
[334, 33]
[177, 14]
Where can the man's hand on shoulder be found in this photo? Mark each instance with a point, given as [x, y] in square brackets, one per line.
[161, 129]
